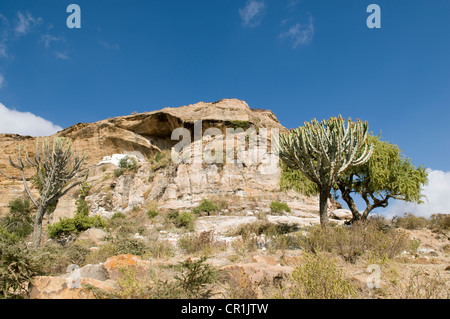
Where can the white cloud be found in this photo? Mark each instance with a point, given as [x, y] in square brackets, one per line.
[2, 80]
[4, 26]
[300, 34]
[109, 46]
[25, 23]
[25, 123]
[251, 13]
[62, 55]
[437, 199]
[47, 39]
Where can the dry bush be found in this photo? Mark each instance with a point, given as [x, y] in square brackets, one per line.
[423, 284]
[244, 244]
[240, 286]
[204, 243]
[363, 239]
[439, 222]
[410, 221]
[318, 277]
[159, 249]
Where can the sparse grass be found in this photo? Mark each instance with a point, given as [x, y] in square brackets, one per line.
[159, 249]
[245, 244]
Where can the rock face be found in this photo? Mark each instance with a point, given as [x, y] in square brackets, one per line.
[117, 265]
[144, 135]
[95, 235]
[45, 287]
[247, 177]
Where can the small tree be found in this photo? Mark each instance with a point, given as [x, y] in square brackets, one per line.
[58, 170]
[387, 174]
[324, 151]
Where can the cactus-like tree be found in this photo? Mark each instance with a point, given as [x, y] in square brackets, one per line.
[324, 151]
[58, 170]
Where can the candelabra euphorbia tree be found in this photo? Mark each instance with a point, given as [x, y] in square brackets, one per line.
[324, 151]
[58, 170]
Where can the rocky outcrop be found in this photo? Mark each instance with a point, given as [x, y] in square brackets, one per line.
[46, 287]
[144, 135]
[116, 266]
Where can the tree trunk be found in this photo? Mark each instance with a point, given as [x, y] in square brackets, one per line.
[367, 211]
[323, 198]
[37, 231]
[351, 204]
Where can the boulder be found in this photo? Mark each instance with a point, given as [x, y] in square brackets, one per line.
[257, 272]
[93, 234]
[97, 272]
[268, 260]
[117, 265]
[222, 224]
[341, 214]
[294, 221]
[46, 287]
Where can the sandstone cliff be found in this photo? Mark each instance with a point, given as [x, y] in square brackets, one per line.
[174, 186]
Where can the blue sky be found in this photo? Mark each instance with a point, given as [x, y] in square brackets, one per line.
[302, 59]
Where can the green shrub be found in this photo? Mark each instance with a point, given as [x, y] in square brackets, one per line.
[128, 245]
[118, 172]
[161, 160]
[183, 220]
[206, 206]
[17, 267]
[296, 180]
[195, 276]
[19, 220]
[152, 214]
[128, 163]
[279, 208]
[73, 226]
[318, 277]
[118, 215]
[240, 124]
